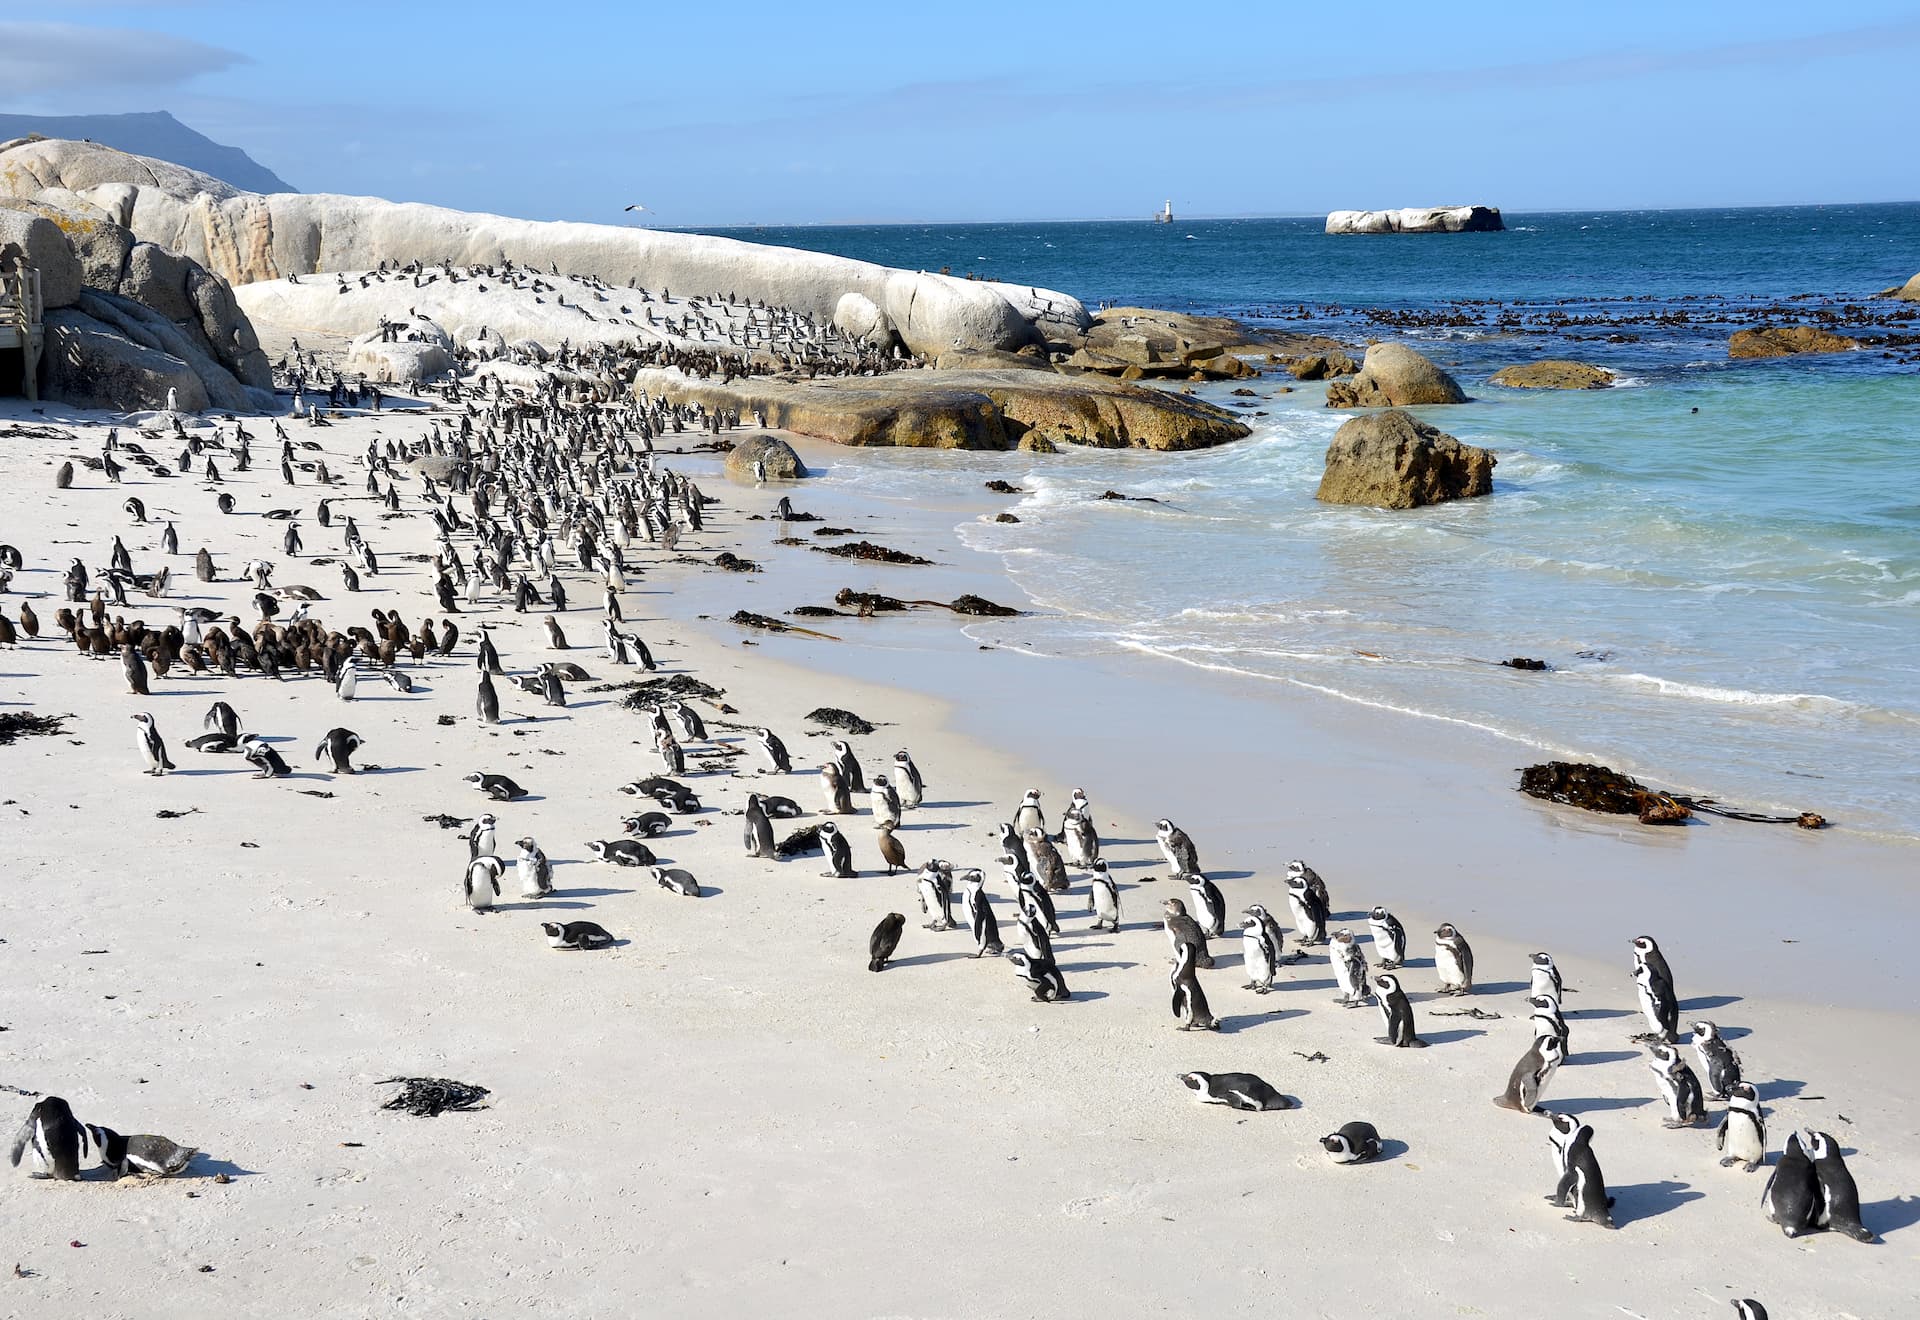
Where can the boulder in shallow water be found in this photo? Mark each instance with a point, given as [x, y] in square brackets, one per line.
[1908, 292]
[1786, 341]
[1393, 460]
[782, 463]
[1553, 374]
[1394, 376]
[1418, 220]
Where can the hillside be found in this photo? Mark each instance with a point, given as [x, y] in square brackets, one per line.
[155, 133]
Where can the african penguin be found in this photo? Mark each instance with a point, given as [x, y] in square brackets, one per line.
[1235, 1090]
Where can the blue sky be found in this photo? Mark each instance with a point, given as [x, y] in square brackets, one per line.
[743, 113]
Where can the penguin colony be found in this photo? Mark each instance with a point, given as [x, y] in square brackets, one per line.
[568, 482]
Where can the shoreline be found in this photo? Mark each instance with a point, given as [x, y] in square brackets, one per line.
[733, 1089]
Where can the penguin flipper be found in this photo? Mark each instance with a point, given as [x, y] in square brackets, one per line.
[20, 1140]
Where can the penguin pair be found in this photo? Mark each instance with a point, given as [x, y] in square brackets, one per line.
[1580, 1187]
[1812, 1189]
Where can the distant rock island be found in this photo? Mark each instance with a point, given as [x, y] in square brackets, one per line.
[1417, 220]
[156, 134]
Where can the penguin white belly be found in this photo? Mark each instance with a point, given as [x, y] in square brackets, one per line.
[1743, 1141]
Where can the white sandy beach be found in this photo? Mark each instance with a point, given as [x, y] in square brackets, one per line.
[728, 1113]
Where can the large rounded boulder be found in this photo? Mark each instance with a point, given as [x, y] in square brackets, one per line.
[782, 464]
[1393, 460]
[46, 249]
[1553, 374]
[1787, 341]
[1394, 376]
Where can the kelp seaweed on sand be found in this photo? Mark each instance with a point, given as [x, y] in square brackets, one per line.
[1600, 789]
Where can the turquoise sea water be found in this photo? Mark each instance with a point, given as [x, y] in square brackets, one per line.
[1730, 598]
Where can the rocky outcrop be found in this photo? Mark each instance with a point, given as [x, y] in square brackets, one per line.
[1003, 408]
[46, 249]
[90, 364]
[782, 464]
[1787, 340]
[1393, 460]
[1553, 374]
[1417, 220]
[858, 319]
[1137, 343]
[1322, 366]
[1394, 376]
[407, 362]
[1908, 292]
[249, 237]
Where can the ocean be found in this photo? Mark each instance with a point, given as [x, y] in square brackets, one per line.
[1719, 560]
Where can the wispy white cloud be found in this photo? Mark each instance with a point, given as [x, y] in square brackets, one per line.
[38, 59]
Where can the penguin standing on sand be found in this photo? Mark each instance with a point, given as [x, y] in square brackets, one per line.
[1389, 938]
[1349, 969]
[486, 701]
[483, 840]
[885, 803]
[1581, 1188]
[1657, 1005]
[884, 940]
[56, 1138]
[850, 772]
[1028, 815]
[1209, 905]
[1182, 857]
[1309, 910]
[833, 787]
[1182, 929]
[152, 746]
[1742, 1136]
[1079, 840]
[1452, 960]
[222, 718]
[1792, 1195]
[774, 751]
[1043, 860]
[1189, 1000]
[1839, 1206]
[135, 668]
[980, 918]
[758, 832]
[1547, 1020]
[535, 871]
[339, 745]
[1034, 898]
[839, 852]
[1103, 897]
[1545, 977]
[1257, 954]
[1717, 1060]
[1530, 1076]
[906, 778]
[1012, 846]
[481, 884]
[1395, 1012]
[169, 540]
[936, 897]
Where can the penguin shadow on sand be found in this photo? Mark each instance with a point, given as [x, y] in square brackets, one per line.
[1450, 1035]
[1589, 1105]
[1503, 988]
[1700, 1003]
[1231, 1023]
[1633, 1202]
[952, 806]
[205, 1167]
[1603, 1056]
[1779, 1088]
[923, 959]
[1892, 1214]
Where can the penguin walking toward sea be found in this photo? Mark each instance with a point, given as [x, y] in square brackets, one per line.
[1452, 960]
[885, 803]
[936, 896]
[535, 871]
[1257, 954]
[839, 852]
[1103, 897]
[1717, 1060]
[1531, 1075]
[152, 747]
[1355, 1143]
[486, 701]
[1209, 905]
[1389, 938]
[1189, 1000]
[169, 540]
[1581, 1187]
[339, 745]
[1395, 1012]
[1182, 857]
[774, 750]
[692, 727]
[980, 919]
[884, 941]
[758, 830]
[906, 778]
[1349, 970]
[1242, 1091]
[480, 887]
[1742, 1136]
[1839, 1205]
[1309, 910]
[1028, 815]
[57, 1139]
[1657, 1005]
[1647, 950]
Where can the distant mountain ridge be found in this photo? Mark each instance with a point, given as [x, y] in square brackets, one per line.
[154, 133]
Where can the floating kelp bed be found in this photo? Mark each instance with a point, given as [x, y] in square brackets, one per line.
[748, 619]
[429, 1097]
[1600, 789]
[871, 602]
[25, 724]
[867, 550]
[999, 487]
